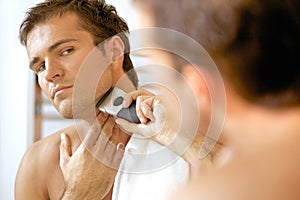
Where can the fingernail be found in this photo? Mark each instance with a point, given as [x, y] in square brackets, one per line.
[117, 121]
[120, 146]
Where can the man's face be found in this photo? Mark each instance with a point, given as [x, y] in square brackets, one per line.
[56, 50]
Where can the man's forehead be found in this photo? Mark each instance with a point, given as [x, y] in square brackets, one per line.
[56, 28]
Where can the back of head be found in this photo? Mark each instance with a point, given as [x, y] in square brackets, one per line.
[262, 51]
[95, 17]
[254, 43]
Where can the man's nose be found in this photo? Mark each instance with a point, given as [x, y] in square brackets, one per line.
[53, 70]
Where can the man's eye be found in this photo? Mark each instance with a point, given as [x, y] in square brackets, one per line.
[40, 68]
[66, 52]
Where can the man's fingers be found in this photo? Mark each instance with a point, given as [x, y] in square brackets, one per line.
[132, 127]
[65, 148]
[104, 135]
[127, 100]
[147, 108]
[107, 128]
[134, 95]
[109, 151]
[118, 155]
[94, 132]
[119, 137]
[112, 135]
[144, 106]
[140, 113]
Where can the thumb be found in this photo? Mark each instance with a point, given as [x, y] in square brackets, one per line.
[65, 149]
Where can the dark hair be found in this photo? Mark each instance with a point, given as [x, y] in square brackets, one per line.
[96, 17]
[259, 41]
[263, 50]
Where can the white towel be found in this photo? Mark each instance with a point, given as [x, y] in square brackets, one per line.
[148, 171]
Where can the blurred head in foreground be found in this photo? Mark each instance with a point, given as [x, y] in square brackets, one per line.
[254, 45]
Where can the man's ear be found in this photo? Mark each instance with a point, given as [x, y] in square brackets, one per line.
[116, 47]
[198, 79]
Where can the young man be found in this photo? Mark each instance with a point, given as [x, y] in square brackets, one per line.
[254, 44]
[59, 36]
[79, 51]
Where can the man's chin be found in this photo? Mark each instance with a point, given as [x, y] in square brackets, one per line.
[65, 109]
[66, 113]
[67, 116]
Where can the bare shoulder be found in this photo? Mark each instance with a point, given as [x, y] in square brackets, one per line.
[45, 152]
[39, 175]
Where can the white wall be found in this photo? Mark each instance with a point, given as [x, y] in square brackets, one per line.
[126, 11]
[16, 89]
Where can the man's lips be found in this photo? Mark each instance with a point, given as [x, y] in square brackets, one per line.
[59, 89]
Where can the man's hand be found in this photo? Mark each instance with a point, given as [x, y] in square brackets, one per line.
[89, 172]
[161, 120]
[154, 112]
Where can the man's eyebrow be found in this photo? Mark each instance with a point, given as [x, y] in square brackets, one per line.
[50, 49]
[33, 62]
[59, 42]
